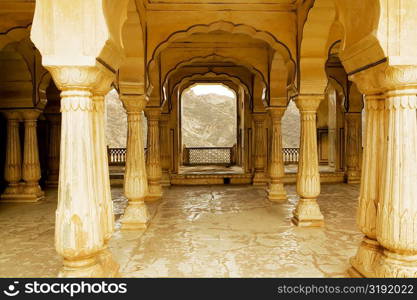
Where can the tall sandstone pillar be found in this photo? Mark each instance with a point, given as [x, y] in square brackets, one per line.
[276, 190]
[165, 150]
[103, 182]
[353, 146]
[153, 157]
[396, 220]
[387, 205]
[13, 163]
[260, 140]
[31, 168]
[84, 213]
[135, 180]
[370, 192]
[307, 212]
[54, 149]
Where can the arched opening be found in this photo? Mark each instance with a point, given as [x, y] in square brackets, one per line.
[209, 126]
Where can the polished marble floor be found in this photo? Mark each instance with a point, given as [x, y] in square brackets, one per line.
[199, 231]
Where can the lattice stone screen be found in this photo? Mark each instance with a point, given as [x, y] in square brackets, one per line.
[208, 156]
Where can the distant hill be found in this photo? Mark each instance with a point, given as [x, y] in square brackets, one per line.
[209, 120]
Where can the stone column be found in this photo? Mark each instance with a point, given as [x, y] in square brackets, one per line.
[165, 151]
[153, 157]
[135, 179]
[13, 164]
[396, 223]
[307, 212]
[370, 192]
[31, 169]
[80, 233]
[54, 143]
[259, 149]
[103, 191]
[353, 146]
[276, 190]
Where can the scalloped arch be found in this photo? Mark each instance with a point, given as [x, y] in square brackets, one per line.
[230, 27]
[15, 34]
[210, 75]
[210, 58]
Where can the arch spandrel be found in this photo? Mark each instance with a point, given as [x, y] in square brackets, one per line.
[313, 47]
[132, 69]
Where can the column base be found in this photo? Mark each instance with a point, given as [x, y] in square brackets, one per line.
[165, 180]
[353, 177]
[277, 193]
[154, 192]
[395, 265]
[136, 216]
[363, 263]
[307, 214]
[260, 179]
[108, 264]
[83, 268]
[22, 197]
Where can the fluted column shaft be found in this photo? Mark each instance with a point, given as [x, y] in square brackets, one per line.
[13, 164]
[53, 154]
[103, 190]
[396, 220]
[276, 190]
[259, 149]
[79, 235]
[153, 158]
[387, 205]
[370, 194]
[31, 171]
[83, 216]
[165, 153]
[135, 180]
[353, 147]
[307, 212]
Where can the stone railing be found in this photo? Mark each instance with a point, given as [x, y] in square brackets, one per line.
[117, 156]
[209, 156]
[291, 155]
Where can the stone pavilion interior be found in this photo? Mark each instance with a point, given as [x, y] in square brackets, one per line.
[340, 201]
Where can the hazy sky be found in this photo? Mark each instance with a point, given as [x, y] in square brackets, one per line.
[212, 89]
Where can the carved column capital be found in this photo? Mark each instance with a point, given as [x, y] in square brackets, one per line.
[12, 114]
[133, 103]
[258, 118]
[308, 103]
[383, 78]
[30, 114]
[276, 112]
[153, 113]
[94, 78]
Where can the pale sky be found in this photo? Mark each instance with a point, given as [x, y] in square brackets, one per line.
[202, 89]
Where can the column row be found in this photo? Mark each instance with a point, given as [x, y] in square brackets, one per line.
[23, 178]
